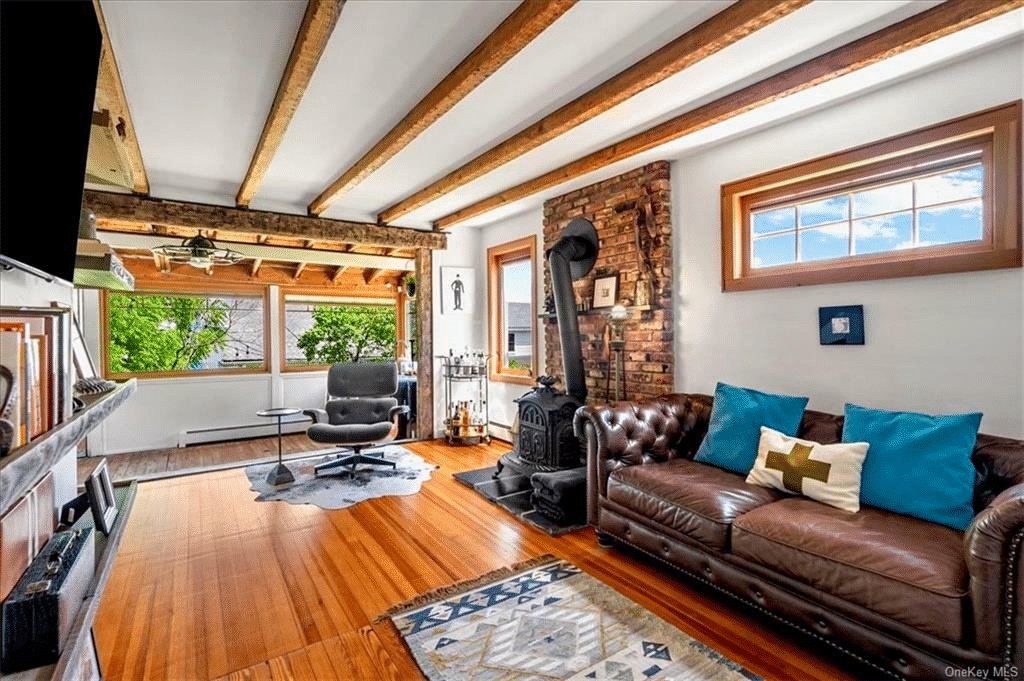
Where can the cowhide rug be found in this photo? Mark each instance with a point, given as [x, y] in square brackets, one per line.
[335, 490]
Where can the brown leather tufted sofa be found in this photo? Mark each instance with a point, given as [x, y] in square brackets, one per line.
[908, 598]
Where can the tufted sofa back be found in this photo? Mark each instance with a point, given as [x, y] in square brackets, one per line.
[998, 461]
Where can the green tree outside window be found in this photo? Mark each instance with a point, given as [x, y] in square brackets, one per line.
[350, 333]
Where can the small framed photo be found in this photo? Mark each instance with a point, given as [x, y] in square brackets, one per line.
[842, 325]
[606, 291]
[101, 497]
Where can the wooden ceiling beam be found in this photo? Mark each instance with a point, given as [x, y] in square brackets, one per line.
[940, 21]
[200, 216]
[730, 25]
[524, 24]
[315, 30]
[110, 96]
[186, 277]
[130, 240]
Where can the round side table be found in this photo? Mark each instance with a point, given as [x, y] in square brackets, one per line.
[279, 474]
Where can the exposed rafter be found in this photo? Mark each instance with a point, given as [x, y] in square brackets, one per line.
[370, 274]
[940, 21]
[110, 96]
[720, 31]
[513, 34]
[255, 269]
[314, 276]
[267, 254]
[137, 209]
[298, 269]
[338, 272]
[314, 32]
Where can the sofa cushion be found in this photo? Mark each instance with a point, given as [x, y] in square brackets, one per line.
[918, 464]
[826, 473]
[902, 568]
[734, 427]
[692, 499]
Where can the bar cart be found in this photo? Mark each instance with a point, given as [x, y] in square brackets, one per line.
[465, 397]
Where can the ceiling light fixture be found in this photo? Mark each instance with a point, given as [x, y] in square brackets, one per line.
[199, 252]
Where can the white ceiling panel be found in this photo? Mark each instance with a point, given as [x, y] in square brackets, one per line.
[590, 43]
[200, 78]
[383, 57]
[996, 41]
[801, 36]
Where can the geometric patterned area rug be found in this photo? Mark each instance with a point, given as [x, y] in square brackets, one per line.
[547, 619]
[332, 491]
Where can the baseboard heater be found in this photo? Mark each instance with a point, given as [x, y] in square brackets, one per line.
[242, 432]
[500, 431]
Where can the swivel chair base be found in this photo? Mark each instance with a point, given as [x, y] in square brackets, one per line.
[352, 460]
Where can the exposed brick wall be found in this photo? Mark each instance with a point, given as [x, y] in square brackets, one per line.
[624, 209]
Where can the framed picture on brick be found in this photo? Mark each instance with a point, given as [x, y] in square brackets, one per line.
[606, 291]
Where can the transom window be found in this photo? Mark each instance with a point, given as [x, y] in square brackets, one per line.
[938, 208]
[943, 199]
[513, 317]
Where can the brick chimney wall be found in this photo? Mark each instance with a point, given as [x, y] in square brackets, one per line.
[632, 215]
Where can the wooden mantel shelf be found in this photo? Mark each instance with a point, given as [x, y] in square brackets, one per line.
[25, 466]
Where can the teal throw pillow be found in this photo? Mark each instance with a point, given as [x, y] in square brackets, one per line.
[917, 464]
[734, 428]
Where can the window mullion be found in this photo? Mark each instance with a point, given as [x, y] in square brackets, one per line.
[915, 230]
[796, 235]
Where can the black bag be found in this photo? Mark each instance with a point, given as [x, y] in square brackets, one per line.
[39, 612]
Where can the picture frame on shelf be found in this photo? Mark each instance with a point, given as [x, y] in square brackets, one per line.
[606, 291]
[84, 367]
[102, 501]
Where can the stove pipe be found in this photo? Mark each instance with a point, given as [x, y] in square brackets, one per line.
[571, 258]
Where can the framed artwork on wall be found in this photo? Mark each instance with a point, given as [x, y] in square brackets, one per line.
[606, 291]
[841, 325]
[458, 290]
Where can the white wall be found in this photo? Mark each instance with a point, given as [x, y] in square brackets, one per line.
[162, 408]
[457, 331]
[946, 343]
[531, 223]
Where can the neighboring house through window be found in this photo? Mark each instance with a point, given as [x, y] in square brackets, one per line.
[511, 272]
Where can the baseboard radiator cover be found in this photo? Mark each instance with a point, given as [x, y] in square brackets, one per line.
[240, 432]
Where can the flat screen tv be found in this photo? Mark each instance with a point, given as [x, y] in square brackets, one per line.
[49, 57]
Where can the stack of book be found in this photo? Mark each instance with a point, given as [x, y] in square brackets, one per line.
[34, 346]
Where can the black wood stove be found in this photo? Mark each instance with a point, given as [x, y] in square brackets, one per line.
[546, 441]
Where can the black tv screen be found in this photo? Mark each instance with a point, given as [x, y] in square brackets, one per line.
[49, 57]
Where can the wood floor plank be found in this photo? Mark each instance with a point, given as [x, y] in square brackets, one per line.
[351, 658]
[211, 585]
[394, 661]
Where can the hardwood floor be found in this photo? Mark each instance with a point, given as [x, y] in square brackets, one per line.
[211, 585]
